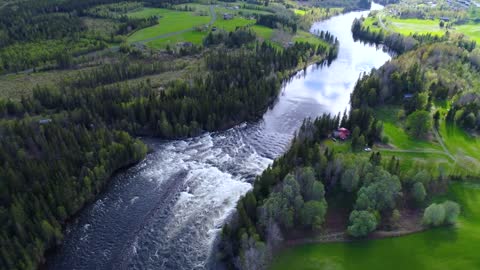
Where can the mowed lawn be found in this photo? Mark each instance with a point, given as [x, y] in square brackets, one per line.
[398, 137]
[446, 248]
[170, 21]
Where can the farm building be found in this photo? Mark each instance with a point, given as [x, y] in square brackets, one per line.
[227, 16]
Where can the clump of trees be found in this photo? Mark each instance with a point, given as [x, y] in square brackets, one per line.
[419, 124]
[445, 213]
[362, 223]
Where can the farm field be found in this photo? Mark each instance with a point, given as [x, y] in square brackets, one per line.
[443, 248]
[419, 26]
[470, 30]
[409, 26]
[170, 21]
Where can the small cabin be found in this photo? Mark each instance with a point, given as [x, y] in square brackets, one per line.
[227, 16]
[341, 133]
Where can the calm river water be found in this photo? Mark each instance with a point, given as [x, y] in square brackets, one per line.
[165, 212]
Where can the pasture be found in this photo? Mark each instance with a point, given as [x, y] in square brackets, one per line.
[410, 26]
[170, 21]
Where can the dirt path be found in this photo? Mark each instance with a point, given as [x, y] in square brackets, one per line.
[442, 144]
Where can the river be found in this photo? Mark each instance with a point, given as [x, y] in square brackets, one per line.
[165, 212]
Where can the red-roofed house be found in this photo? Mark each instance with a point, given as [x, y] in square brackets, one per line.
[341, 133]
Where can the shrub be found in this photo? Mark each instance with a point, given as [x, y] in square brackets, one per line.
[441, 214]
[418, 192]
[362, 223]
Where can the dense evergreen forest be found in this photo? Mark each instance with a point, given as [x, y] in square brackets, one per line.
[36, 33]
[50, 169]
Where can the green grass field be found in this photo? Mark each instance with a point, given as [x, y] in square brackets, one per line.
[299, 12]
[396, 133]
[419, 26]
[170, 21]
[447, 248]
[230, 25]
[263, 31]
[192, 36]
[470, 30]
[302, 36]
[409, 26]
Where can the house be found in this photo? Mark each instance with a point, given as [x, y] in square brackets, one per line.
[341, 133]
[227, 16]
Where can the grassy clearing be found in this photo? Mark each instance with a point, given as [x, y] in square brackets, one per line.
[104, 27]
[470, 30]
[419, 26]
[396, 133]
[303, 36]
[14, 86]
[170, 21]
[409, 26]
[230, 25]
[299, 12]
[263, 31]
[195, 37]
[447, 248]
